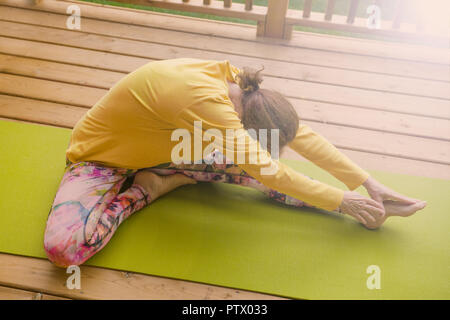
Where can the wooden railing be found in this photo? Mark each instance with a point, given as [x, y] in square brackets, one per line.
[227, 8]
[276, 20]
[372, 24]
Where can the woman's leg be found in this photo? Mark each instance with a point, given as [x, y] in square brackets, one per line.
[221, 170]
[87, 210]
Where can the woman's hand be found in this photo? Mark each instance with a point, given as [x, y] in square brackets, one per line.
[380, 193]
[365, 210]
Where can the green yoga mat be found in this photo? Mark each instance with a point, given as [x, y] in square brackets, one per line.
[233, 236]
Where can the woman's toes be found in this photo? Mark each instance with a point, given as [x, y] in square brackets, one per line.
[421, 205]
[414, 208]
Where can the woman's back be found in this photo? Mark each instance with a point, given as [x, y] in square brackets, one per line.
[131, 125]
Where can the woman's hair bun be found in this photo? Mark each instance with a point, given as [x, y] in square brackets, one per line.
[249, 79]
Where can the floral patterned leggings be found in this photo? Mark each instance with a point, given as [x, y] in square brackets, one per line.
[90, 203]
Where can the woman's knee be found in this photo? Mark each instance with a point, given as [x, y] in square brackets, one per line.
[64, 252]
[64, 236]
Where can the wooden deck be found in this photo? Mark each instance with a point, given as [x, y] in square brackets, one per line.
[385, 105]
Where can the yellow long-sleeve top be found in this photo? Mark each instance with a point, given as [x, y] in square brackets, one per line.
[131, 127]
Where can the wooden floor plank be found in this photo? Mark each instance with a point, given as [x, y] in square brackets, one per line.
[360, 97]
[315, 111]
[52, 91]
[385, 163]
[275, 68]
[40, 275]
[7, 293]
[69, 55]
[381, 49]
[292, 88]
[413, 125]
[223, 29]
[44, 112]
[47, 70]
[385, 143]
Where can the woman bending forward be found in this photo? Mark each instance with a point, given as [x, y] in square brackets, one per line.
[121, 153]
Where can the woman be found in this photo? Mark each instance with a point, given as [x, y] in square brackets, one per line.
[121, 153]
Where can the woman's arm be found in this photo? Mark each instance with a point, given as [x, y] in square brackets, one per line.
[321, 152]
[218, 114]
[317, 149]
[220, 117]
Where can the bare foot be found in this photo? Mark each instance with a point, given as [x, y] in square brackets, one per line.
[396, 208]
[157, 185]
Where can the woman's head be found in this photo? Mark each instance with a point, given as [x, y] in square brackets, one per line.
[266, 109]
